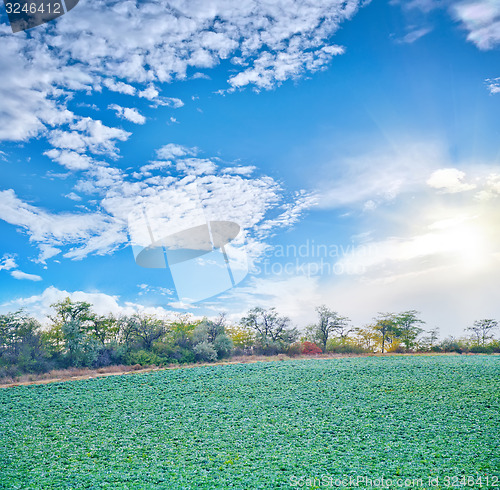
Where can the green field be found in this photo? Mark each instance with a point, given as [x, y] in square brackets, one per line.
[262, 425]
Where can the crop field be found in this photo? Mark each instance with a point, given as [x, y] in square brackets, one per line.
[293, 424]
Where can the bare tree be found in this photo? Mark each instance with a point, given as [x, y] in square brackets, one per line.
[481, 330]
[329, 323]
[270, 327]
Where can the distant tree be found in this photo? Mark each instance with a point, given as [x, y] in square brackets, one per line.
[71, 321]
[103, 327]
[429, 341]
[481, 330]
[68, 310]
[329, 323]
[407, 327]
[271, 329]
[366, 337]
[146, 329]
[21, 343]
[242, 337]
[180, 331]
[387, 327]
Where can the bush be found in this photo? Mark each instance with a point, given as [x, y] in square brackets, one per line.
[145, 358]
[294, 349]
[269, 349]
[223, 345]
[482, 349]
[346, 349]
[309, 348]
[205, 351]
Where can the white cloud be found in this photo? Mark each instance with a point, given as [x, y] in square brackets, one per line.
[128, 113]
[8, 262]
[73, 196]
[70, 159]
[259, 205]
[40, 305]
[242, 170]
[482, 19]
[85, 233]
[377, 176]
[172, 150]
[120, 87]
[449, 180]
[493, 85]
[151, 43]
[88, 135]
[414, 35]
[24, 276]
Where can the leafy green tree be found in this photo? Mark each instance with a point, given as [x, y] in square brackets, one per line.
[68, 310]
[104, 328]
[242, 337]
[429, 341]
[21, 343]
[205, 351]
[72, 319]
[147, 329]
[387, 328]
[407, 327]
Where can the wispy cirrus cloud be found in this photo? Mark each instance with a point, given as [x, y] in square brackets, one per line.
[481, 18]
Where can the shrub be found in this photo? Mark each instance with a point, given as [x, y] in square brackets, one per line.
[145, 358]
[482, 349]
[205, 351]
[346, 349]
[294, 349]
[223, 346]
[309, 348]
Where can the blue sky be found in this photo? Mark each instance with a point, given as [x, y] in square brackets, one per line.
[354, 143]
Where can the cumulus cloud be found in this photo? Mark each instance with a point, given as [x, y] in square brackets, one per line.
[167, 152]
[120, 87]
[8, 262]
[449, 180]
[258, 204]
[151, 42]
[128, 113]
[493, 85]
[39, 305]
[88, 135]
[70, 159]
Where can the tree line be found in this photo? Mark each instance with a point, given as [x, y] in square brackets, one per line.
[77, 336]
